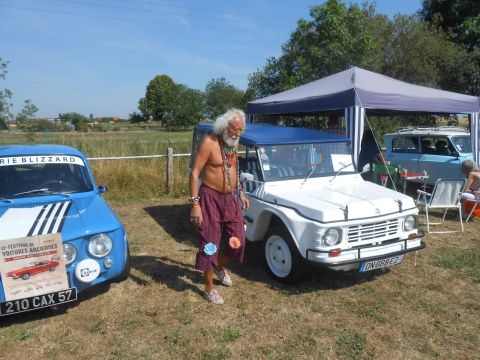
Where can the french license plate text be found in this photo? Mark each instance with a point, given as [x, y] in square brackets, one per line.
[37, 302]
[377, 264]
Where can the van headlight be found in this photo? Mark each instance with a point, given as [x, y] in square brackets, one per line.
[331, 237]
[100, 245]
[409, 223]
[69, 253]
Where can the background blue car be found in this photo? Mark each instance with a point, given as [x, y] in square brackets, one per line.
[439, 151]
[49, 189]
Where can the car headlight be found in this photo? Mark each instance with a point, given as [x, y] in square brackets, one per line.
[100, 245]
[331, 237]
[69, 253]
[409, 223]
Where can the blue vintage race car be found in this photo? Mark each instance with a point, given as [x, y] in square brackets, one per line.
[52, 210]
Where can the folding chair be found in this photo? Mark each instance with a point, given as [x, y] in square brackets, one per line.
[445, 195]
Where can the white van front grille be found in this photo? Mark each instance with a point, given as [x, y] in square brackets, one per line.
[373, 231]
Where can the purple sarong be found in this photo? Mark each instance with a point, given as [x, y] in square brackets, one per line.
[222, 217]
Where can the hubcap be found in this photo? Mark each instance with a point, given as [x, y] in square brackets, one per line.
[278, 256]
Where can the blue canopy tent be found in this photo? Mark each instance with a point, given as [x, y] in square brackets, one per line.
[356, 90]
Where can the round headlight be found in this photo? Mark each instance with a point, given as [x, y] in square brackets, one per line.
[69, 253]
[331, 237]
[409, 223]
[100, 245]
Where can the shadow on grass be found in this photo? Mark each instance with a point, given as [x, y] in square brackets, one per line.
[166, 271]
[174, 219]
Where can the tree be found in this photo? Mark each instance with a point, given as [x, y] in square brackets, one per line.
[338, 37]
[5, 95]
[159, 98]
[79, 121]
[187, 109]
[460, 20]
[26, 119]
[220, 96]
[135, 117]
[174, 105]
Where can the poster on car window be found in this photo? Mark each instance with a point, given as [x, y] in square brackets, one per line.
[32, 266]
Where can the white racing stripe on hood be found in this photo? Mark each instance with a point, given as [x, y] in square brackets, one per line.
[38, 220]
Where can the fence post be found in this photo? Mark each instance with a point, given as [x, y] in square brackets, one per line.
[169, 169]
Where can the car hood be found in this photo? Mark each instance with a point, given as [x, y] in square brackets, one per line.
[340, 200]
[73, 217]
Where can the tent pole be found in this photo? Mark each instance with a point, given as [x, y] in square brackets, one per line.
[475, 134]
[355, 116]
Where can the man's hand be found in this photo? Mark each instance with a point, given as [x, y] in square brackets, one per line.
[196, 215]
[245, 201]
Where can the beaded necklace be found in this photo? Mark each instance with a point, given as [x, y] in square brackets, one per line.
[228, 156]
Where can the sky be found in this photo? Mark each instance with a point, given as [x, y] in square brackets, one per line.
[97, 56]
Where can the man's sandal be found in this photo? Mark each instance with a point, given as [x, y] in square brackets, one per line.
[214, 297]
[223, 277]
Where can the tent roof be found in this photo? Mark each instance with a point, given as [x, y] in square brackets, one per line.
[359, 87]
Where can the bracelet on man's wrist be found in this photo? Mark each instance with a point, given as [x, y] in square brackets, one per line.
[194, 199]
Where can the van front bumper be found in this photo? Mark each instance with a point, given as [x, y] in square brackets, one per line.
[348, 259]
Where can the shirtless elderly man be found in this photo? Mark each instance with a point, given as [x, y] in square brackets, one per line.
[216, 205]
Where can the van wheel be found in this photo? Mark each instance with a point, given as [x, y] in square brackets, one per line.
[26, 276]
[282, 258]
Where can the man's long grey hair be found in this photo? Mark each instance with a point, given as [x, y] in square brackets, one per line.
[221, 123]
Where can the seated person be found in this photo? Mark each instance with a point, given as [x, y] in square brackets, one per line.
[427, 147]
[472, 188]
[441, 147]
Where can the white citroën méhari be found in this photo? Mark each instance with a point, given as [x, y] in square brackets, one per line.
[309, 205]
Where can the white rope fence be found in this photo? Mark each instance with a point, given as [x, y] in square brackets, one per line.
[170, 155]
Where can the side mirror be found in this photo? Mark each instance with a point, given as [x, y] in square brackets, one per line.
[102, 188]
[246, 177]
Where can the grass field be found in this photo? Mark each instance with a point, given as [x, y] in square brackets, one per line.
[127, 179]
[426, 308]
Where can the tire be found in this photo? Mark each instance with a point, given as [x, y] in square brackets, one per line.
[282, 258]
[26, 276]
[51, 268]
[126, 270]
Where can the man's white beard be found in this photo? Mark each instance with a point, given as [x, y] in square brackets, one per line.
[229, 140]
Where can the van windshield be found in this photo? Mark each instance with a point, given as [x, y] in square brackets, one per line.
[298, 161]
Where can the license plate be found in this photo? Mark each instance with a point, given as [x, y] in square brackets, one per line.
[378, 264]
[38, 302]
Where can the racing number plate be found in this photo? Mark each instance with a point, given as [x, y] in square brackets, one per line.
[377, 264]
[37, 302]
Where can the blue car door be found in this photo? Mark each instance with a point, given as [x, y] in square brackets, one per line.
[405, 151]
[441, 161]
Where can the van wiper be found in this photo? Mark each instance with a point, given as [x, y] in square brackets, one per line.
[310, 174]
[344, 166]
[42, 191]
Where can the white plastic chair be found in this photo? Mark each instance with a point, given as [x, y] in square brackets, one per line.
[445, 195]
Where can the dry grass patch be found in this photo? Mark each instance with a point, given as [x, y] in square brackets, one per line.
[426, 308]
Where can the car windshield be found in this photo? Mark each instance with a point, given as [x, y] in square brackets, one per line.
[42, 175]
[299, 161]
[463, 144]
